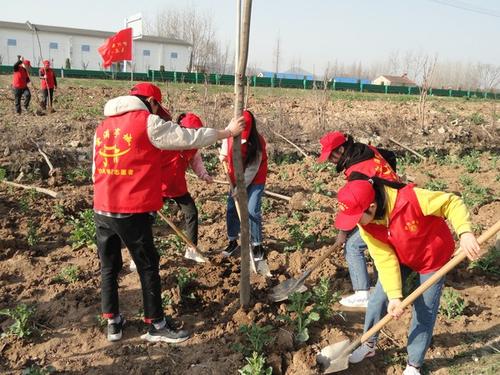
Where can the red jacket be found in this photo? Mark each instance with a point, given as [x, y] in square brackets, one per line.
[174, 166]
[48, 78]
[20, 78]
[423, 243]
[260, 177]
[127, 177]
[377, 166]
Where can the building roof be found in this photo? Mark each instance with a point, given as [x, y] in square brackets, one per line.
[86, 32]
[398, 79]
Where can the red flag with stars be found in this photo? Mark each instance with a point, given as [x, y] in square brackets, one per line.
[117, 48]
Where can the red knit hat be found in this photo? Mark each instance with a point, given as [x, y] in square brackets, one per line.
[329, 142]
[191, 121]
[46, 63]
[353, 200]
[26, 62]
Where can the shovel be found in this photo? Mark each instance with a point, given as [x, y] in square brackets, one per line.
[335, 357]
[181, 234]
[281, 291]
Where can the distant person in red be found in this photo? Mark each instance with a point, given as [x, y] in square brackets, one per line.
[20, 81]
[48, 83]
[174, 185]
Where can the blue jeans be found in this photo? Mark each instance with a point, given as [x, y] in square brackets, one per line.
[425, 310]
[254, 211]
[354, 252]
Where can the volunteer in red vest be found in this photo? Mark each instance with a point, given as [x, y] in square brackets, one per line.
[127, 178]
[48, 83]
[20, 81]
[350, 156]
[406, 231]
[174, 185]
[253, 151]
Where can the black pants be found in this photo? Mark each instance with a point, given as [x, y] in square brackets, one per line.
[136, 233]
[188, 208]
[45, 100]
[18, 93]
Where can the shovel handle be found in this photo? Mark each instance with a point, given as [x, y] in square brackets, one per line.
[329, 252]
[179, 232]
[452, 263]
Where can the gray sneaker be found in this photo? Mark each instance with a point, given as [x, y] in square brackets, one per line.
[165, 334]
[115, 330]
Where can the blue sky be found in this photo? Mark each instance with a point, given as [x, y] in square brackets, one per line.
[349, 31]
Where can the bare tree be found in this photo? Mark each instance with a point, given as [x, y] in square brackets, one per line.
[198, 29]
[426, 68]
[277, 55]
[488, 76]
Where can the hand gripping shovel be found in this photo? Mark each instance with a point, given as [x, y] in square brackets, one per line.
[281, 291]
[181, 234]
[335, 357]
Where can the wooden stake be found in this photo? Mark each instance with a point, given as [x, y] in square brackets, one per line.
[267, 192]
[293, 144]
[51, 193]
[407, 148]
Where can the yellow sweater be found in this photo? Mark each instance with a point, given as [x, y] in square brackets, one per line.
[437, 203]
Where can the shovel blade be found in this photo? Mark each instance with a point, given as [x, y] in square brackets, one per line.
[263, 268]
[281, 291]
[333, 358]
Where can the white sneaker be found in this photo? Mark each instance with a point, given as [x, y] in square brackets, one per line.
[132, 267]
[362, 352]
[410, 370]
[358, 299]
[194, 255]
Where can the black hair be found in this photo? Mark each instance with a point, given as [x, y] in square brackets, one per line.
[144, 99]
[378, 185]
[253, 142]
[344, 159]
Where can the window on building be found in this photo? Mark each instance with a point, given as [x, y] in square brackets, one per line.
[146, 52]
[11, 42]
[85, 48]
[53, 45]
[173, 55]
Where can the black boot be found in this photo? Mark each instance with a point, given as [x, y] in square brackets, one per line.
[232, 249]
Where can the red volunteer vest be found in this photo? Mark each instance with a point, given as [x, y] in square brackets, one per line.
[377, 166]
[20, 79]
[173, 174]
[48, 81]
[423, 243]
[260, 177]
[127, 177]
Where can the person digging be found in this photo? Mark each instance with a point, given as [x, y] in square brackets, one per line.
[405, 230]
[48, 83]
[127, 157]
[349, 157]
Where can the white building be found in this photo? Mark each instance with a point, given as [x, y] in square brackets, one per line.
[80, 47]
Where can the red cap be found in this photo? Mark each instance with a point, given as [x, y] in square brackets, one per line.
[353, 200]
[248, 116]
[26, 62]
[191, 121]
[46, 63]
[329, 142]
[147, 90]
